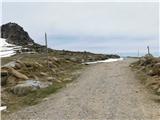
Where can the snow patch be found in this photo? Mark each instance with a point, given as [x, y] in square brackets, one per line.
[3, 108]
[6, 49]
[104, 61]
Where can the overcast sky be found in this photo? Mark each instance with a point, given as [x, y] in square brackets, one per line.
[112, 27]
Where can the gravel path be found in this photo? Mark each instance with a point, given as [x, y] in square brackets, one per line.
[106, 91]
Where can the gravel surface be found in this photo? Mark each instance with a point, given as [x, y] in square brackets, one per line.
[105, 91]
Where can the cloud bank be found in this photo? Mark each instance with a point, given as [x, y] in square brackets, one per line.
[112, 27]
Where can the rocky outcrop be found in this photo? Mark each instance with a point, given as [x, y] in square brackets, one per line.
[15, 34]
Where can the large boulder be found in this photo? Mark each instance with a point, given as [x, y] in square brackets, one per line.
[22, 89]
[15, 34]
[28, 86]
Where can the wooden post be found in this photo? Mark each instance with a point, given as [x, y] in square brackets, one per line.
[46, 44]
[148, 50]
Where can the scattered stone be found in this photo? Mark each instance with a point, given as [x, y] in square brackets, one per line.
[17, 66]
[67, 79]
[158, 91]
[53, 59]
[154, 87]
[27, 86]
[58, 81]
[53, 70]
[28, 64]
[4, 72]
[12, 80]
[17, 74]
[43, 74]
[45, 99]
[50, 78]
[35, 77]
[4, 76]
[38, 64]
[157, 65]
[3, 103]
[151, 72]
[10, 64]
[73, 59]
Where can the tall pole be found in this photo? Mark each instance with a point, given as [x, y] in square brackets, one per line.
[46, 44]
[148, 50]
[138, 53]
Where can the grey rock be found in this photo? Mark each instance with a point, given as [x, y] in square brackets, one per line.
[27, 86]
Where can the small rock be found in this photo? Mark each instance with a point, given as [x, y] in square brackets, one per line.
[157, 65]
[53, 70]
[151, 72]
[4, 76]
[45, 99]
[10, 64]
[18, 74]
[38, 64]
[158, 91]
[18, 65]
[58, 81]
[154, 86]
[4, 72]
[35, 77]
[28, 65]
[12, 80]
[54, 58]
[50, 78]
[43, 74]
[67, 79]
[3, 103]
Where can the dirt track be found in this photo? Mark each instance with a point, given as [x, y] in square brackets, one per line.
[103, 91]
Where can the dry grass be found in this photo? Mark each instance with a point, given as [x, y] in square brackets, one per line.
[148, 72]
[64, 72]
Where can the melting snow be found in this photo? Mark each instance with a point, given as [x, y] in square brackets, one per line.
[7, 49]
[3, 108]
[104, 61]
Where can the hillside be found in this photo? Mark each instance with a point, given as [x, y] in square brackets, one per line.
[15, 34]
[27, 78]
[148, 70]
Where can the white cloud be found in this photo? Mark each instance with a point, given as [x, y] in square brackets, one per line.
[132, 19]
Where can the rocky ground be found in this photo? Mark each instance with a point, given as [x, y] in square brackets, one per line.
[148, 70]
[28, 78]
[103, 91]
